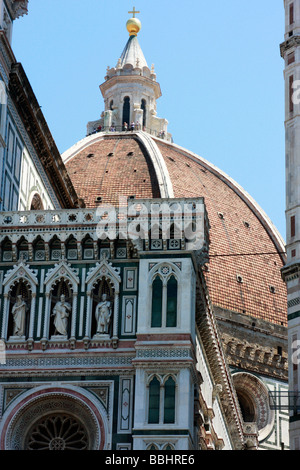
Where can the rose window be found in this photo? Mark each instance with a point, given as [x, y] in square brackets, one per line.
[59, 432]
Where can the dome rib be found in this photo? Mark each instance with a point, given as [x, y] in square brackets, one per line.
[119, 165]
[162, 173]
[160, 168]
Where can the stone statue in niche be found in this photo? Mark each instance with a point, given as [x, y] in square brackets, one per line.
[103, 315]
[19, 313]
[61, 313]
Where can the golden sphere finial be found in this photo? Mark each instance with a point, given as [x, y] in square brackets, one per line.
[133, 25]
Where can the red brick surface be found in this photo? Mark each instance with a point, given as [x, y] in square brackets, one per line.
[121, 174]
[110, 176]
[230, 236]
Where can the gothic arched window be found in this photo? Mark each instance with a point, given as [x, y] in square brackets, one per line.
[71, 249]
[157, 299]
[164, 302]
[152, 447]
[169, 401]
[55, 249]
[162, 401]
[22, 249]
[126, 110]
[6, 248]
[39, 250]
[144, 108]
[88, 248]
[172, 288]
[154, 401]
[168, 447]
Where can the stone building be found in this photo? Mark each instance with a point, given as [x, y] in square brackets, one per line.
[290, 52]
[144, 309]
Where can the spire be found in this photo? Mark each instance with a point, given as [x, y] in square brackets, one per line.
[132, 54]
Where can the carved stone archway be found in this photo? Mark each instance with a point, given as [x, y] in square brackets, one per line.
[42, 413]
[254, 396]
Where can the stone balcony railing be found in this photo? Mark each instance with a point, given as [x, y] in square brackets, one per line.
[135, 220]
[95, 127]
[128, 210]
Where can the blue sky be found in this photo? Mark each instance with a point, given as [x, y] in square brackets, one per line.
[218, 64]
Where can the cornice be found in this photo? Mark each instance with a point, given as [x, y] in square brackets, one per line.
[293, 41]
[115, 79]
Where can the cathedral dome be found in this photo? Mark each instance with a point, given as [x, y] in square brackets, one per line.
[246, 251]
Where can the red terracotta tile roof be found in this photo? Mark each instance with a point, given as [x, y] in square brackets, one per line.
[236, 228]
[110, 168]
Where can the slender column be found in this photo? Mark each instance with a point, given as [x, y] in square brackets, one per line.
[116, 318]
[47, 251]
[161, 403]
[32, 316]
[14, 251]
[5, 317]
[164, 305]
[30, 252]
[79, 250]
[39, 325]
[88, 315]
[74, 315]
[47, 317]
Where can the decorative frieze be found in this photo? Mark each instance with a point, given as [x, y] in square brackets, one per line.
[65, 364]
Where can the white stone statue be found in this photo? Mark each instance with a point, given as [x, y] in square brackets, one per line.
[103, 315]
[19, 312]
[61, 313]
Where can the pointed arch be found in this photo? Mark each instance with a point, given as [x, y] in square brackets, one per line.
[164, 287]
[172, 292]
[61, 275]
[39, 249]
[169, 400]
[19, 280]
[6, 250]
[157, 302]
[61, 288]
[36, 203]
[18, 325]
[154, 401]
[103, 271]
[101, 287]
[144, 108]
[22, 249]
[126, 110]
[88, 248]
[55, 248]
[71, 248]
